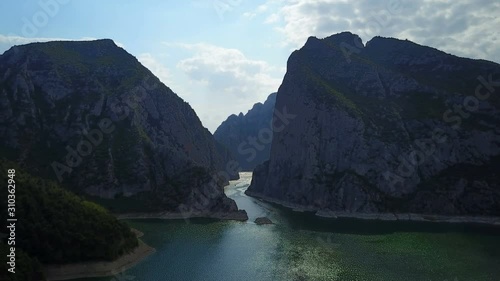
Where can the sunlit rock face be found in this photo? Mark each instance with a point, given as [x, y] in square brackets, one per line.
[90, 115]
[390, 126]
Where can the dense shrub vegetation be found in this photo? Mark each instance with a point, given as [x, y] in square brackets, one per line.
[56, 226]
[27, 268]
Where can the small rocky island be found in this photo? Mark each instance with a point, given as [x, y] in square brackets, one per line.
[263, 220]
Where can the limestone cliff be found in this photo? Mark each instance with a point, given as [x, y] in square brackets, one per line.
[386, 127]
[89, 115]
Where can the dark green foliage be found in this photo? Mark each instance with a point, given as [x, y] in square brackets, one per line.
[168, 198]
[140, 202]
[57, 226]
[27, 268]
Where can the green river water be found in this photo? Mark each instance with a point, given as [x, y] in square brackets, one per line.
[300, 246]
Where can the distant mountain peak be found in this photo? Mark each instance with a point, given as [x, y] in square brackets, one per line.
[346, 37]
[234, 134]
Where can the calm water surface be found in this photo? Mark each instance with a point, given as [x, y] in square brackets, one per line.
[301, 246]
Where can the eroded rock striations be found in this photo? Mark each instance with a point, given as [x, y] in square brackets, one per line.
[386, 127]
[90, 115]
[248, 136]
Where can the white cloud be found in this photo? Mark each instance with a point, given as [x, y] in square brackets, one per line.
[461, 27]
[259, 11]
[155, 66]
[229, 72]
[223, 81]
[249, 15]
[272, 18]
[262, 8]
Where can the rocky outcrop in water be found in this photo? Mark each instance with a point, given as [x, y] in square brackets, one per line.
[386, 127]
[90, 115]
[248, 136]
[263, 220]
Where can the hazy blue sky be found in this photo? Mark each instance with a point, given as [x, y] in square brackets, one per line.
[222, 56]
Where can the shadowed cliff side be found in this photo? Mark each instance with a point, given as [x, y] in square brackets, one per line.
[386, 127]
[248, 137]
[89, 115]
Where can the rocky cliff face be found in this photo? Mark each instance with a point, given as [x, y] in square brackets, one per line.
[90, 115]
[390, 126]
[248, 137]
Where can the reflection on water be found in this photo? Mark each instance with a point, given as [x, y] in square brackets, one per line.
[300, 246]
